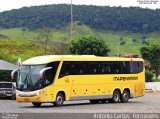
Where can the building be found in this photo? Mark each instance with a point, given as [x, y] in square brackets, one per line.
[4, 65]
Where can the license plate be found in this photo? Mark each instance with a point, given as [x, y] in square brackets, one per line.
[9, 94]
[26, 99]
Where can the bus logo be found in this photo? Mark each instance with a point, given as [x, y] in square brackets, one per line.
[125, 78]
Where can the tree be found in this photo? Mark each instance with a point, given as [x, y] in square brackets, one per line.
[148, 75]
[152, 54]
[89, 45]
[5, 75]
[45, 35]
[132, 19]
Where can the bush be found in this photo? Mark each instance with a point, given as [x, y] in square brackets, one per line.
[149, 76]
[79, 23]
[5, 75]
[122, 43]
[134, 40]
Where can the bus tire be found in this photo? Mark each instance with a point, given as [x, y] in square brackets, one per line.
[94, 101]
[116, 96]
[125, 96]
[59, 100]
[36, 104]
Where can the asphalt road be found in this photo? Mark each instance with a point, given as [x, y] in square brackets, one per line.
[150, 103]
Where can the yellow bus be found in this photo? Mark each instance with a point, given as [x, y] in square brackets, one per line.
[58, 78]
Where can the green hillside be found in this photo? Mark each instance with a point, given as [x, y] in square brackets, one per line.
[19, 42]
[18, 34]
[133, 19]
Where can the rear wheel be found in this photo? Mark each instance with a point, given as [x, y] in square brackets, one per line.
[36, 104]
[59, 100]
[116, 97]
[125, 96]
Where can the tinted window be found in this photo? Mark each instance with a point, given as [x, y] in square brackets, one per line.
[50, 74]
[5, 85]
[101, 67]
[136, 67]
[106, 67]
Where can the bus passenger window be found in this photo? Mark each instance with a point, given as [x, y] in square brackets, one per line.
[64, 70]
[116, 68]
[82, 68]
[50, 74]
[78, 68]
[106, 69]
[92, 68]
[136, 67]
[125, 67]
[68, 68]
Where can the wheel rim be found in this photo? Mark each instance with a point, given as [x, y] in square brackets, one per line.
[59, 100]
[116, 97]
[125, 96]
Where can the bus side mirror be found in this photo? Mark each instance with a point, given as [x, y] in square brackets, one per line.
[13, 73]
[44, 70]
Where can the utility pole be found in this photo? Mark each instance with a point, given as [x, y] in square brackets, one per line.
[71, 21]
[71, 30]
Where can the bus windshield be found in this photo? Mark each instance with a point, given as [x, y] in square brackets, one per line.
[29, 77]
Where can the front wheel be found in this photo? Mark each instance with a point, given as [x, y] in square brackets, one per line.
[125, 96]
[59, 100]
[36, 104]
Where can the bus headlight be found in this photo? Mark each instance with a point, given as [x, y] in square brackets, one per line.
[30, 94]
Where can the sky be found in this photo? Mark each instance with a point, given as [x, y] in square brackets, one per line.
[6, 5]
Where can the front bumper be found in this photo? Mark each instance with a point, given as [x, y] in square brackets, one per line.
[31, 96]
[29, 99]
[6, 95]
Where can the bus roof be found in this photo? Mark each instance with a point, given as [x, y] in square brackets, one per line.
[51, 58]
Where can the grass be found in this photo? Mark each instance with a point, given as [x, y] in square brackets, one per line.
[11, 50]
[113, 41]
[19, 34]
[155, 80]
[21, 42]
